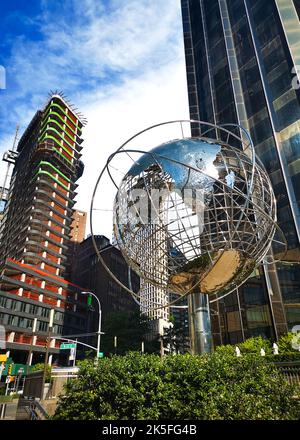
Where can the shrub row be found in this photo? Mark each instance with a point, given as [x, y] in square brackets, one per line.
[209, 387]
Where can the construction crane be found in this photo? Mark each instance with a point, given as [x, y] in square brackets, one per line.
[10, 157]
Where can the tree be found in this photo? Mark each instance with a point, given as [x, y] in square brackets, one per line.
[175, 339]
[185, 387]
[131, 329]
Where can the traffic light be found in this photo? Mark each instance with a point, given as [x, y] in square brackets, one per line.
[89, 300]
[9, 369]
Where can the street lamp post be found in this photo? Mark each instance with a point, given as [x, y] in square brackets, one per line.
[99, 321]
[29, 359]
[50, 328]
[115, 344]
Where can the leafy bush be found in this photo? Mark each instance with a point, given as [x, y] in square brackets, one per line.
[285, 343]
[285, 357]
[225, 349]
[208, 387]
[254, 345]
[250, 346]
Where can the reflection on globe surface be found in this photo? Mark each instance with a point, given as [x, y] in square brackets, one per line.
[195, 213]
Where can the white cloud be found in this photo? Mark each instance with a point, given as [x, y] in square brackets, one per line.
[156, 97]
[121, 62]
[129, 35]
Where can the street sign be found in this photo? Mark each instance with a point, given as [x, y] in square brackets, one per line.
[64, 346]
[3, 358]
[100, 354]
[72, 354]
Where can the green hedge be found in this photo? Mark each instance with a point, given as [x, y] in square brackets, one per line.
[254, 345]
[287, 357]
[210, 387]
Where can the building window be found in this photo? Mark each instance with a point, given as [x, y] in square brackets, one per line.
[42, 326]
[22, 307]
[3, 302]
[44, 312]
[57, 329]
[258, 317]
[12, 320]
[58, 316]
[31, 309]
[25, 323]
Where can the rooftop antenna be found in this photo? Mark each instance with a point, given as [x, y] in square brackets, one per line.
[60, 93]
[9, 157]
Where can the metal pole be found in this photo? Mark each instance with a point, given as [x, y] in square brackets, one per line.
[29, 359]
[47, 352]
[74, 360]
[161, 346]
[3, 410]
[9, 164]
[115, 344]
[72, 340]
[45, 364]
[200, 325]
[240, 314]
[1, 370]
[99, 321]
[18, 381]
[99, 332]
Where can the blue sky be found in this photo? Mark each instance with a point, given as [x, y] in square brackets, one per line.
[116, 60]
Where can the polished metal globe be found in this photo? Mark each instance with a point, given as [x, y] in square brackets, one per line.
[194, 214]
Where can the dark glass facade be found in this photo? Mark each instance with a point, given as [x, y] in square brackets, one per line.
[91, 274]
[241, 59]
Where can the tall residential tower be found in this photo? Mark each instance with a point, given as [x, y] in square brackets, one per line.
[35, 234]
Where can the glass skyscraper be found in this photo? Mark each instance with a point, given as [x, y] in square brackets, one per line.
[242, 59]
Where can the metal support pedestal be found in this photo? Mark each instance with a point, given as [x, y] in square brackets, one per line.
[199, 321]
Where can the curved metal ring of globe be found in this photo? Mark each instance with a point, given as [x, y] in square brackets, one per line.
[195, 212]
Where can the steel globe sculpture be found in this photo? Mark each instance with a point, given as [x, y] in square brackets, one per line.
[195, 216]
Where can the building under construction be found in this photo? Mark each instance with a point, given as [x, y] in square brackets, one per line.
[35, 233]
[3, 200]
